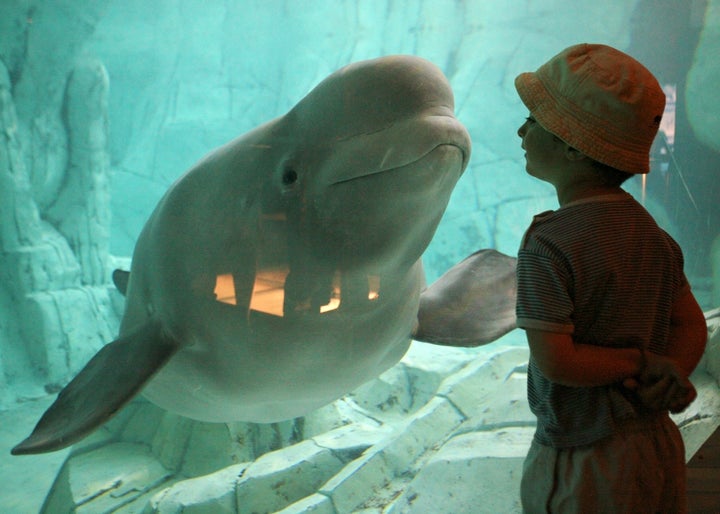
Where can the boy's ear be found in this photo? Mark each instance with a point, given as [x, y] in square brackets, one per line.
[574, 154]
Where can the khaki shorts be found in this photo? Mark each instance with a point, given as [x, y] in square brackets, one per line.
[640, 470]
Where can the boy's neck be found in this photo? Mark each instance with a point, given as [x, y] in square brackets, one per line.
[580, 191]
[577, 180]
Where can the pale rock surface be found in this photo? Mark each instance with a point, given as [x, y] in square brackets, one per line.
[54, 197]
[279, 478]
[81, 210]
[479, 472]
[712, 351]
[314, 504]
[91, 486]
[715, 265]
[210, 494]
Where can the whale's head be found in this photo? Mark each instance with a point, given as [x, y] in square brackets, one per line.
[375, 154]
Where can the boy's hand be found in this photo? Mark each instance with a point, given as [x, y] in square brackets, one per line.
[662, 385]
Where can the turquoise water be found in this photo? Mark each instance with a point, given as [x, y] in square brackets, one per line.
[105, 103]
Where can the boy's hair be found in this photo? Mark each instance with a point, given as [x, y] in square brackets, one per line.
[598, 100]
[610, 176]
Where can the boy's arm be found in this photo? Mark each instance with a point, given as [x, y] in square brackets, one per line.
[565, 362]
[664, 382]
[688, 333]
[577, 365]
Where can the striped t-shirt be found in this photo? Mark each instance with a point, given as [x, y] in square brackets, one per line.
[602, 270]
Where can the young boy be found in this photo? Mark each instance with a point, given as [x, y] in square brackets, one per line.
[613, 328]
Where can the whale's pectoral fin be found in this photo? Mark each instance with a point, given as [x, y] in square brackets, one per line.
[121, 278]
[111, 379]
[472, 304]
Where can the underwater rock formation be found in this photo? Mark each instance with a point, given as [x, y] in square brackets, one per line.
[81, 211]
[715, 265]
[41, 275]
[53, 270]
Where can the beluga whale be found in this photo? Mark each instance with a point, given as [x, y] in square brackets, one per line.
[284, 269]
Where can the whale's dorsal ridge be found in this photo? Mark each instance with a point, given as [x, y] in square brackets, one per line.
[110, 380]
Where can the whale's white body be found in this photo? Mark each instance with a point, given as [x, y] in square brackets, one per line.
[336, 200]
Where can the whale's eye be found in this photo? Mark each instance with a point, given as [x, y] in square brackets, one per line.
[289, 177]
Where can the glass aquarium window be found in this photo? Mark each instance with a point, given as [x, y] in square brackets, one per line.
[351, 202]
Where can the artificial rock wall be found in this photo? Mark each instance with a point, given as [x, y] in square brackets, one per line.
[54, 198]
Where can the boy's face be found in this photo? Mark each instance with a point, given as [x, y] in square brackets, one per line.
[544, 152]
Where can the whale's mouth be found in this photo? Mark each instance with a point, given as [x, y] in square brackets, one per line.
[401, 145]
[384, 168]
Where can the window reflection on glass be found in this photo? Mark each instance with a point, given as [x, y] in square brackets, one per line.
[373, 287]
[268, 294]
[269, 291]
[667, 124]
[290, 280]
[225, 289]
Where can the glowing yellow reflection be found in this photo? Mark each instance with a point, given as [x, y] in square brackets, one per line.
[373, 287]
[268, 294]
[644, 189]
[334, 302]
[225, 289]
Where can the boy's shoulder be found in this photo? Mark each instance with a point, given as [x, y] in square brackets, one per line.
[599, 210]
[591, 220]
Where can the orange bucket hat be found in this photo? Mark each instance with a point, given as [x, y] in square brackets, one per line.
[598, 100]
